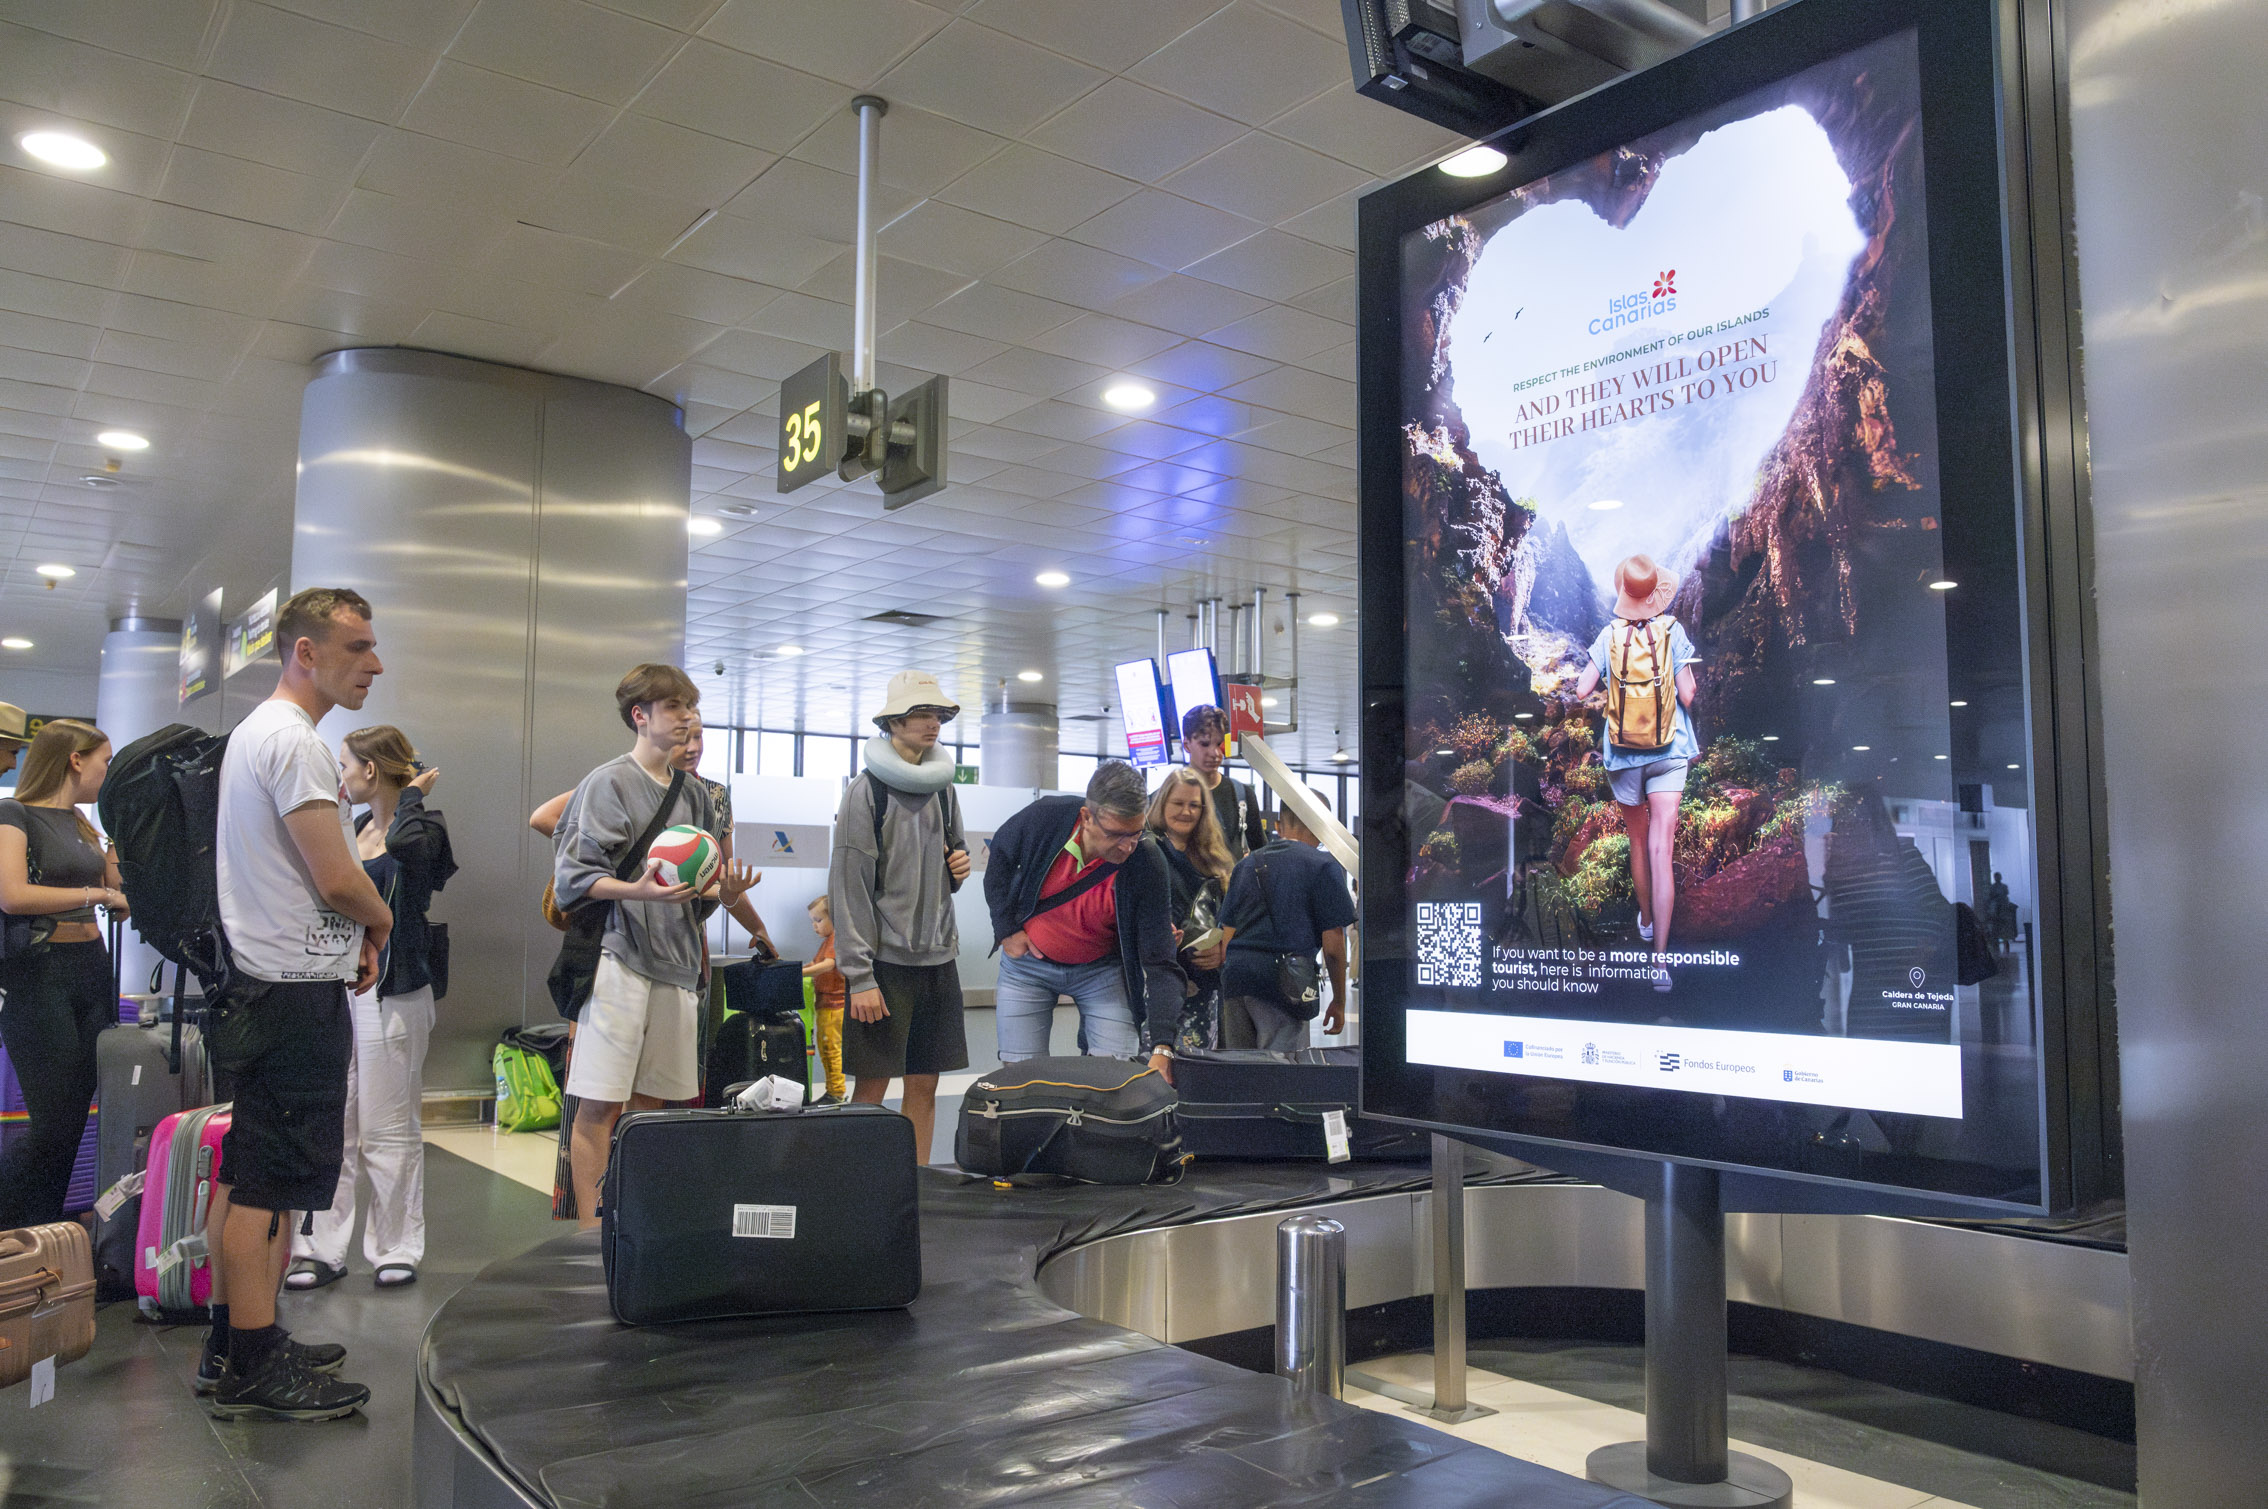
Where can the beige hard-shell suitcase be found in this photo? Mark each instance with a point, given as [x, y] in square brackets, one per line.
[47, 1306]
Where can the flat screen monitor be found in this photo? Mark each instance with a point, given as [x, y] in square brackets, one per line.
[1716, 728]
[1196, 682]
[1141, 707]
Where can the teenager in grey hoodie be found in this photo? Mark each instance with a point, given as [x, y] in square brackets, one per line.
[890, 885]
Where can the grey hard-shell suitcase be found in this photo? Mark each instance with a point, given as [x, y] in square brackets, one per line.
[136, 1088]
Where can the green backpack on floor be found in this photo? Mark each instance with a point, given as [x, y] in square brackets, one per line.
[527, 1097]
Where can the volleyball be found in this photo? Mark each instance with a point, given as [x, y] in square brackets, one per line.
[685, 855]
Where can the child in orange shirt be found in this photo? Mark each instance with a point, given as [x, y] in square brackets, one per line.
[828, 983]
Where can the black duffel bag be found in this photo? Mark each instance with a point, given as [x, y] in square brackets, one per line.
[707, 1214]
[1097, 1120]
[1259, 1106]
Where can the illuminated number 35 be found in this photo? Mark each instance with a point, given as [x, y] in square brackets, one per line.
[803, 438]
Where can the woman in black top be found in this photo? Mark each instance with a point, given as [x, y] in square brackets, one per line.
[404, 846]
[1188, 828]
[54, 872]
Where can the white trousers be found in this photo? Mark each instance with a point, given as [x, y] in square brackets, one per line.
[384, 1137]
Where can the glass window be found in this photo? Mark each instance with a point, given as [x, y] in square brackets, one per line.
[827, 757]
[716, 753]
[1073, 771]
[775, 754]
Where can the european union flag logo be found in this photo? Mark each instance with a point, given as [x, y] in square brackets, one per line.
[1514, 1050]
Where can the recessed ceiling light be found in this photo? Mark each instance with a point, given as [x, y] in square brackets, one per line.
[25, 644]
[1822, 681]
[1052, 579]
[1445, 751]
[1474, 162]
[1522, 717]
[1323, 620]
[1771, 738]
[1943, 586]
[738, 510]
[1861, 748]
[1604, 505]
[1957, 704]
[695, 524]
[2015, 767]
[789, 651]
[122, 440]
[1029, 676]
[1943, 757]
[62, 150]
[1131, 397]
[1341, 757]
[56, 573]
[1267, 702]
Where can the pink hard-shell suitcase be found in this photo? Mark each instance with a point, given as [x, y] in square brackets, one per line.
[173, 1276]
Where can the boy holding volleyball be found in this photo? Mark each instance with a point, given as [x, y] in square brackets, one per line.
[638, 1040]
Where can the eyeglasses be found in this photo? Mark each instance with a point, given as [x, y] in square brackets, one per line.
[1118, 837]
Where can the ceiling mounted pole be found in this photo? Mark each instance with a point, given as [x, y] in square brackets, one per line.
[870, 110]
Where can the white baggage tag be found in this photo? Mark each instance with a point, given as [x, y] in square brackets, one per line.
[137, 1079]
[118, 1194]
[169, 1259]
[42, 1381]
[1335, 1136]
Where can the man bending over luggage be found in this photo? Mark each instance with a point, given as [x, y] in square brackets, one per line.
[898, 858]
[638, 1039]
[1082, 906]
[302, 920]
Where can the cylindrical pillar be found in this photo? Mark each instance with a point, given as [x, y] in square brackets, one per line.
[1311, 1305]
[138, 692]
[1020, 748]
[1685, 1327]
[521, 538]
[1448, 1211]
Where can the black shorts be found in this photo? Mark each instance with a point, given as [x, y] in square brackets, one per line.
[921, 1035]
[282, 1049]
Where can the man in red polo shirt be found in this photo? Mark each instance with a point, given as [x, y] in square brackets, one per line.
[1081, 908]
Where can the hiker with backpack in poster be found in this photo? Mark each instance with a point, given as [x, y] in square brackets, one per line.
[1646, 662]
[303, 921]
[899, 856]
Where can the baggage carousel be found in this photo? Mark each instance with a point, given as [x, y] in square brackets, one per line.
[1038, 1366]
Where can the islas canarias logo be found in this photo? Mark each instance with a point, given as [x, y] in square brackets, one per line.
[1640, 304]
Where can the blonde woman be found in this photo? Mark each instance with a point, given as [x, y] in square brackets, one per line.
[404, 848]
[1187, 823]
[54, 872]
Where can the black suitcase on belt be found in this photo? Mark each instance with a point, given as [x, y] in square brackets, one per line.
[749, 1046]
[707, 1214]
[1258, 1106]
[1100, 1120]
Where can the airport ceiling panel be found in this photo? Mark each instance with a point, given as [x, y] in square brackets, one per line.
[659, 193]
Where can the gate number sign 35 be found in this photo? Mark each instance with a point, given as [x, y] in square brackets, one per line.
[805, 435]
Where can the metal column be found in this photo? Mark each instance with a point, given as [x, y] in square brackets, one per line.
[1311, 1305]
[1447, 1207]
[1684, 1460]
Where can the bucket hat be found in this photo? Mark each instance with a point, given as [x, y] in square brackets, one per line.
[15, 727]
[1641, 588]
[915, 689]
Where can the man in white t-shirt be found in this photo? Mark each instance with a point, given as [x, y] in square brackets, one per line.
[302, 921]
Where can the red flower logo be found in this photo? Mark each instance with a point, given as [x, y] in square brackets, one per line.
[1665, 284]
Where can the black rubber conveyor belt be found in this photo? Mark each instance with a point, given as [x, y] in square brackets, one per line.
[984, 1393]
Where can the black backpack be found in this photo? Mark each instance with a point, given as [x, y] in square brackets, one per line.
[160, 804]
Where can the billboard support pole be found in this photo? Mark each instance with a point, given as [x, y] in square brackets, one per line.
[1447, 1209]
[1684, 1460]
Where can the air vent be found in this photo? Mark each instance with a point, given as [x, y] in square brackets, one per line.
[906, 618]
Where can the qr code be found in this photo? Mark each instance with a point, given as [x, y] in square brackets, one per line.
[1449, 943]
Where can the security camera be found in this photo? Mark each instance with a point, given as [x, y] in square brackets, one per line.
[720, 668]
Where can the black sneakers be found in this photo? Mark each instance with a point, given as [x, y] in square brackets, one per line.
[284, 1387]
[318, 1357]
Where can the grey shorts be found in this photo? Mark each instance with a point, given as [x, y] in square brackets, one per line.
[1633, 785]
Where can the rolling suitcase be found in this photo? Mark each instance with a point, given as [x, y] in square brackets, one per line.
[707, 1214]
[1098, 1120]
[749, 1046]
[1259, 1106]
[173, 1276]
[47, 1297]
[137, 1087]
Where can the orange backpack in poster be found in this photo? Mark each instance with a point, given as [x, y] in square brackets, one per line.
[1641, 692]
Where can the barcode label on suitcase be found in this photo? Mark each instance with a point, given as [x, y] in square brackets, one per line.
[763, 1221]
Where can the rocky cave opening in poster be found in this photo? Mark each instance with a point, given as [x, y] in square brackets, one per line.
[1671, 477]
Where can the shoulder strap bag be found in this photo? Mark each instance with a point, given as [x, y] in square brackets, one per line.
[24, 937]
[1298, 977]
[577, 965]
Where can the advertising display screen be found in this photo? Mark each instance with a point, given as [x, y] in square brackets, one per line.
[1196, 682]
[1141, 707]
[1713, 723]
